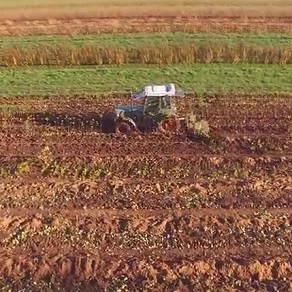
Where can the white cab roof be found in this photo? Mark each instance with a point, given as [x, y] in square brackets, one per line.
[156, 90]
[160, 90]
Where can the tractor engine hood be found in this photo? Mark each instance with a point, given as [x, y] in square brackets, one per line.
[127, 108]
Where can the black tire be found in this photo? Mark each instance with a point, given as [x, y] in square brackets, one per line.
[148, 124]
[108, 123]
[123, 127]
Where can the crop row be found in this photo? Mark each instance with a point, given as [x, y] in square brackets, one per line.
[92, 55]
[266, 138]
[210, 105]
[94, 145]
[208, 108]
[64, 124]
[264, 192]
[43, 135]
[140, 232]
[152, 166]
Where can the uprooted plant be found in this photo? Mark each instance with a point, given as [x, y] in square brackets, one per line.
[199, 130]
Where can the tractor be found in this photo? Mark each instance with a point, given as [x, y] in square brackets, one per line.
[156, 111]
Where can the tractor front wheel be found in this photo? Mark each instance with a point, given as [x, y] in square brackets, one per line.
[124, 128]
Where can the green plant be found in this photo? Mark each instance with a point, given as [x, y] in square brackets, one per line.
[4, 173]
[23, 167]
[200, 127]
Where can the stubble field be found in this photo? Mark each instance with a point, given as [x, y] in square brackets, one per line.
[85, 211]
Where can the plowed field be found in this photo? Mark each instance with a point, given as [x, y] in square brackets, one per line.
[85, 211]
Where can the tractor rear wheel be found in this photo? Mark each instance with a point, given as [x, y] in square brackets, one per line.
[124, 128]
[169, 126]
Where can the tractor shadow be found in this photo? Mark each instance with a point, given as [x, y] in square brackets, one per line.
[81, 122]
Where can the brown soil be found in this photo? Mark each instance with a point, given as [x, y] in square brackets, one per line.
[266, 192]
[103, 145]
[147, 212]
[148, 273]
[226, 115]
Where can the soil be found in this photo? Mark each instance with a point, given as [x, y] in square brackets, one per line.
[84, 210]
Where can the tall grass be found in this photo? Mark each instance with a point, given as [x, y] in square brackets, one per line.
[64, 55]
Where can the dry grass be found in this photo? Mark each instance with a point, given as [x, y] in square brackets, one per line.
[155, 10]
[64, 55]
[134, 25]
[70, 3]
[100, 16]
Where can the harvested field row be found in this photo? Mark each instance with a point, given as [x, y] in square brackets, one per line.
[42, 134]
[145, 157]
[219, 126]
[236, 254]
[49, 126]
[264, 192]
[18, 115]
[146, 166]
[146, 25]
[137, 273]
[90, 101]
[59, 55]
[199, 78]
[47, 133]
[274, 125]
[234, 105]
[90, 230]
[11, 217]
[202, 108]
[95, 145]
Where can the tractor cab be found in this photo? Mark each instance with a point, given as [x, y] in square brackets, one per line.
[159, 105]
[157, 99]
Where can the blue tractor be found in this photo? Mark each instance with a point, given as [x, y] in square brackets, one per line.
[156, 111]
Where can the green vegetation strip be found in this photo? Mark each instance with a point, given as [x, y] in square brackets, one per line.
[198, 78]
[143, 39]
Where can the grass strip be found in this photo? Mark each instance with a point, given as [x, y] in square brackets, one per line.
[147, 39]
[198, 78]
